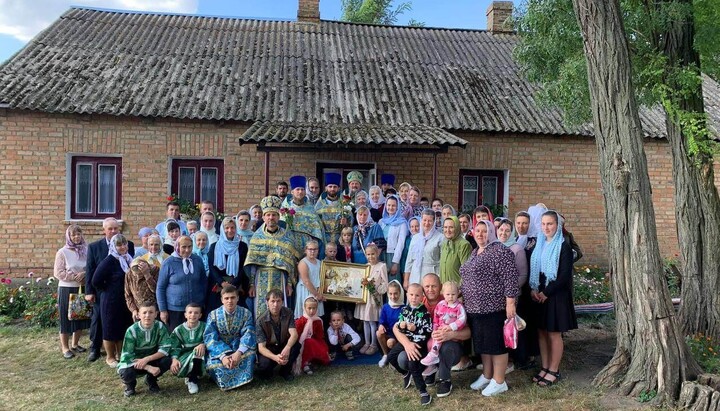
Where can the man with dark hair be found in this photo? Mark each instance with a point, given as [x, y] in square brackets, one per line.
[277, 338]
[172, 212]
[281, 190]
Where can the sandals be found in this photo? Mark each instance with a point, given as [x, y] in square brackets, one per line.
[544, 382]
[537, 377]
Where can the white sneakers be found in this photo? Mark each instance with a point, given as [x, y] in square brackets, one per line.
[480, 383]
[192, 387]
[494, 388]
[383, 361]
[488, 386]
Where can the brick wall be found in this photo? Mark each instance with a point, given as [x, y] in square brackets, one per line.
[562, 172]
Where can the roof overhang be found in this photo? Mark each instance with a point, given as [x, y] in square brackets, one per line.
[281, 136]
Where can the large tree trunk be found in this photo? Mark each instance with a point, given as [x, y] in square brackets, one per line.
[651, 353]
[697, 205]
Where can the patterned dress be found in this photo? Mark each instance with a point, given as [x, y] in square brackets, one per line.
[184, 340]
[140, 342]
[272, 259]
[225, 334]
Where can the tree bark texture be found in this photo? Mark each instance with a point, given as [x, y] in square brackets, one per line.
[651, 353]
[697, 205]
[702, 395]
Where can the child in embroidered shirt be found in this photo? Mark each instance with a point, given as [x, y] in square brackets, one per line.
[145, 350]
[312, 336]
[188, 357]
[388, 317]
[449, 316]
[345, 245]
[369, 312]
[413, 330]
[342, 337]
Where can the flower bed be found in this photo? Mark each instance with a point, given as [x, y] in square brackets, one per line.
[34, 300]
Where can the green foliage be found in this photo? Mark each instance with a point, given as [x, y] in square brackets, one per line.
[376, 12]
[550, 53]
[672, 276]
[706, 351]
[591, 285]
[33, 302]
[647, 396]
[12, 302]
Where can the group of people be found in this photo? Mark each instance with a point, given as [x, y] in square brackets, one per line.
[242, 296]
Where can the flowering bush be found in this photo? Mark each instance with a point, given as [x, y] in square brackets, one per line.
[591, 285]
[706, 351]
[192, 211]
[33, 301]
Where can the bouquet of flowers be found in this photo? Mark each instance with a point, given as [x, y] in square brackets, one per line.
[370, 285]
[347, 206]
[288, 215]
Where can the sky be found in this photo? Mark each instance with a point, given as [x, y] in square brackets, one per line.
[21, 20]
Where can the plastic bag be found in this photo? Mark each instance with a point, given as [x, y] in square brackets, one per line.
[510, 333]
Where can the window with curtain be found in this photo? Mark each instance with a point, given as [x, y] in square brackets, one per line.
[198, 180]
[95, 189]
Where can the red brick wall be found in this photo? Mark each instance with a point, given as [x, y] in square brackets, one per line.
[559, 171]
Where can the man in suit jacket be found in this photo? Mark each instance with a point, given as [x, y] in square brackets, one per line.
[97, 251]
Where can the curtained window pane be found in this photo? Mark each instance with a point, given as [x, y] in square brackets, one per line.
[489, 190]
[186, 184]
[106, 188]
[83, 184]
[470, 192]
[209, 184]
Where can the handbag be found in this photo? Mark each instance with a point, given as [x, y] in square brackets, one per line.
[79, 309]
[510, 333]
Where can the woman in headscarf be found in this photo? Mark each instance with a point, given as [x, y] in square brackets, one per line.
[140, 285]
[489, 287]
[110, 278]
[182, 280]
[535, 212]
[155, 255]
[414, 203]
[377, 203]
[395, 231]
[364, 233]
[454, 252]
[424, 255]
[551, 275]
[413, 228]
[201, 248]
[69, 269]
[505, 236]
[207, 226]
[227, 259]
[243, 223]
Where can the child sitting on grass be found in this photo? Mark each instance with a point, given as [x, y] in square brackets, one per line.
[312, 336]
[388, 317]
[342, 337]
[145, 350]
[412, 331]
[188, 355]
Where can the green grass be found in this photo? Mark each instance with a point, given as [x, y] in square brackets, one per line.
[36, 377]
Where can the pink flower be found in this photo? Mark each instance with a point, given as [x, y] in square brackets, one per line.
[31, 274]
[2, 272]
[38, 279]
[291, 211]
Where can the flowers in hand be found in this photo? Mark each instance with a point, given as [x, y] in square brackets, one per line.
[288, 215]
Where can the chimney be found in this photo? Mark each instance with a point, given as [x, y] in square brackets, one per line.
[498, 17]
[309, 11]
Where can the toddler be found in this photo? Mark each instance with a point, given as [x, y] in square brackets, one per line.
[331, 252]
[188, 355]
[344, 253]
[342, 337]
[449, 315]
[388, 317]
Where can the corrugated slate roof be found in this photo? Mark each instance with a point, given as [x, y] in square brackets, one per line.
[212, 68]
[270, 132]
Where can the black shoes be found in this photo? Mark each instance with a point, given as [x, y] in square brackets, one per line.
[444, 388]
[407, 380]
[430, 380]
[93, 356]
[425, 398]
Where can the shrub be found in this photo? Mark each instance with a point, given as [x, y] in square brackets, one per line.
[33, 301]
[591, 285]
[706, 351]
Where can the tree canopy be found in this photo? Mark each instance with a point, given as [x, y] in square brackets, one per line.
[376, 12]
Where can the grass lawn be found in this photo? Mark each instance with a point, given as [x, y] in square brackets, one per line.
[36, 377]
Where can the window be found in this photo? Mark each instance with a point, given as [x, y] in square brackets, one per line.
[95, 187]
[198, 180]
[480, 187]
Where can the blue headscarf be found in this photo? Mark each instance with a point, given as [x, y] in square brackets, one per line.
[545, 257]
[395, 219]
[203, 254]
[226, 247]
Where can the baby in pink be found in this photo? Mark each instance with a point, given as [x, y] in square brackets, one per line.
[449, 315]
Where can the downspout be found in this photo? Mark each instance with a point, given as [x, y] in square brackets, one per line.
[267, 173]
[435, 171]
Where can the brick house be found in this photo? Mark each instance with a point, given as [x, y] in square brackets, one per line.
[105, 113]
